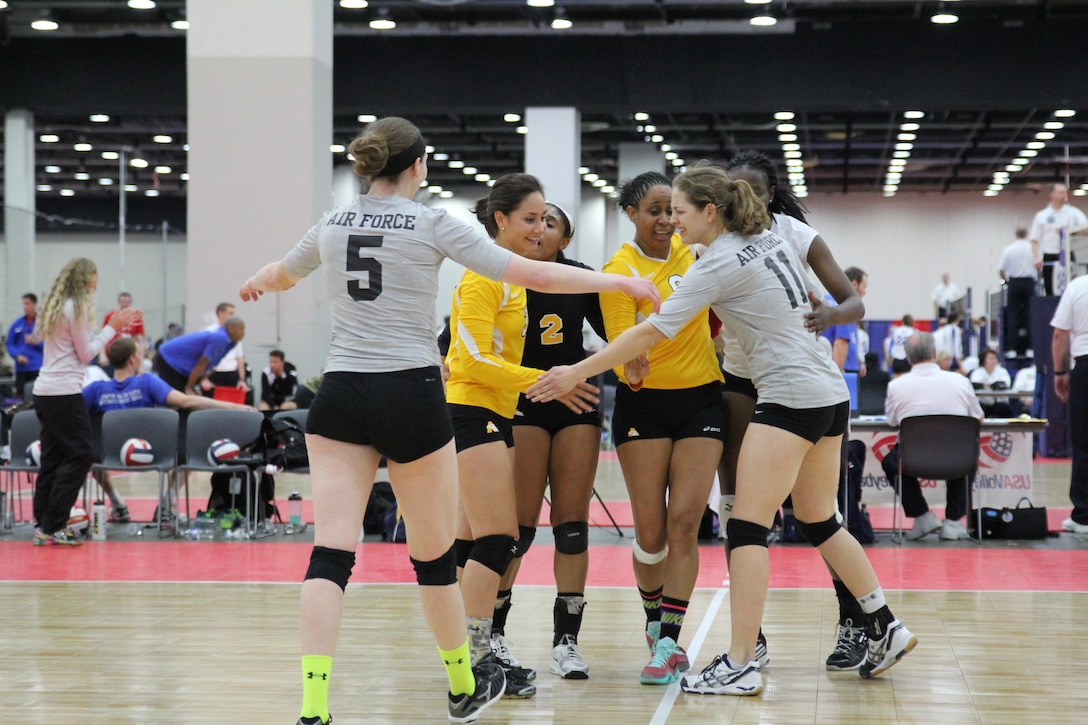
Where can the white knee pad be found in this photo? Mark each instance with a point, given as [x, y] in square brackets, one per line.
[645, 557]
[725, 510]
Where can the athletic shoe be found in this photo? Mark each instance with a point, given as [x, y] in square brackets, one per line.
[850, 649]
[722, 677]
[955, 531]
[120, 515]
[653, 633]
[518, 685]
[567, 660]
[313, 721]
[762, 656]
[500, 647]
[1073, 527]
[64, 537]
[889, 649]
[490, 685]
[924, 525]
[668, 662]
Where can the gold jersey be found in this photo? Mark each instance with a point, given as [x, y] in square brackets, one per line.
[685, 361]
[487, 338]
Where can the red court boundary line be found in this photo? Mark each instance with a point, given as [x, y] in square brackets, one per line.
[941, 568]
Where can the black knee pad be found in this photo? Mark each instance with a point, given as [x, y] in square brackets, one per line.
[526, 534]
[744, 533]
[571, 537]
[437, 573]
[821, 532]
[495, 552]
[462, 550]
[332, 564]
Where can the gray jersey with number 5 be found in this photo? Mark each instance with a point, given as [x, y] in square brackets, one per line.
[381, 257]
[756, 287]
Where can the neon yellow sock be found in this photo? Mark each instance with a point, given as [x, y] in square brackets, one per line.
[458, 664]
[315, 686]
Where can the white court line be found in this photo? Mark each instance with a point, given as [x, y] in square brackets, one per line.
[673, 690]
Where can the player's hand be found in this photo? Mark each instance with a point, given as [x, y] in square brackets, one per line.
[553, 384]
[248, 293]
[820, 317]
[642, 289]
[1061, 387]
[635, 371]
[123, 318]
[582, 399]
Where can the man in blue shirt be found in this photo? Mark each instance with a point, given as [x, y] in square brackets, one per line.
[844, 338]
[129, 388]
[25, 345]
[185, 360]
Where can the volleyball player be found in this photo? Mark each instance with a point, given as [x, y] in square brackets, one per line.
[787, 215]
[667, 426]
[382, 395]
[752, 280]
[555, 449]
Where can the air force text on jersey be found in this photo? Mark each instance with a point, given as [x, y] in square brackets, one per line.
[373, 221]
[757, 249]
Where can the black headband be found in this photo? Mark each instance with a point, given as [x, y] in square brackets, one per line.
[401, 160]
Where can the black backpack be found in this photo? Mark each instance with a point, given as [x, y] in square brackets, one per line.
[281, 442]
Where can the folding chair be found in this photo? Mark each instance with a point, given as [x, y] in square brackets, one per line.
[25, 429]
[157, 426]
[203, 428]
[938, 447]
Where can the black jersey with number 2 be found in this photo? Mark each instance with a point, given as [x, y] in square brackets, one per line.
[554, 332]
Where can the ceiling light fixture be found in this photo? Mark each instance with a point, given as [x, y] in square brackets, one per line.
[383, 22]
[180, 25]
[783, 116]
[914, 114]
[765, 20]
[110, 155]
[141, 4]
[44, 25]
[561, 23]
[511, 117]
[354, 4]
[640, 116]
[99, 118]
[522, 130]
[162, 138]
[366, 118]
[52, 169]
[1064, 113]
[82, 147]
[138, 163]
[67, 192]
[540, 3]
[944, 17]
[49, 138]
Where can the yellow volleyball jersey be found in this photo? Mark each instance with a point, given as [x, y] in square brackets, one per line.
[685, 361]
[487, 338]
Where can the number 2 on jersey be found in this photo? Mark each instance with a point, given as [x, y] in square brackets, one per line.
[782, 277]
[551, 329]
[371, 266]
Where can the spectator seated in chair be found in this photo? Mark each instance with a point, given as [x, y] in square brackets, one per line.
[991, 376]
[928, 390]
[279, 381]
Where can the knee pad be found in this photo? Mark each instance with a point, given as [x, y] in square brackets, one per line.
[462, 550]
[571, 537]
[645, 557]
[744, 533]
[495, 552]
[526, 534]
[725, 508]
[437, 573]
[332, 564]
[820, 532]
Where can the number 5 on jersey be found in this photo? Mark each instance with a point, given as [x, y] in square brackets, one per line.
[356, 263]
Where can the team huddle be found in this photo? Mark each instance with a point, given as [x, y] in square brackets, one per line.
[716, 252]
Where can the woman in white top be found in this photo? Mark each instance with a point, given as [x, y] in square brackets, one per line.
[382, 395]
[991, 376]
[751, 279]
[66, 322]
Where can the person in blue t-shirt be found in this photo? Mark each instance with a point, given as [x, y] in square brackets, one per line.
[24, 344]
[129, 388]
[185, 360]
[844, 338]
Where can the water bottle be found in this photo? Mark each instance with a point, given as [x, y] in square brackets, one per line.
[98, 521]
[294, 513]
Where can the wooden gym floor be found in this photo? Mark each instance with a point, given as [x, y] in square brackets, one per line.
[141, 631]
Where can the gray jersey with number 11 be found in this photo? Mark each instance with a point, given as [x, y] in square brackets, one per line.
[381, 257]
[756, 287]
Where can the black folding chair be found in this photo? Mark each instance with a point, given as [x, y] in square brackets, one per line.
[938, 447]
[25, 429]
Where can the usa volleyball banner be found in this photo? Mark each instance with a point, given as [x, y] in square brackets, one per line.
[1004, 470]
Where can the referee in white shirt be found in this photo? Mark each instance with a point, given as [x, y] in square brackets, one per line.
[1017, 270]
[1070, 325]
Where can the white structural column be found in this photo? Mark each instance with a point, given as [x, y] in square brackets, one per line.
[553, 153]
[19, 190]
[260, 125]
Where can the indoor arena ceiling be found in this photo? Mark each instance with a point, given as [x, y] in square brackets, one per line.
[847, 148]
